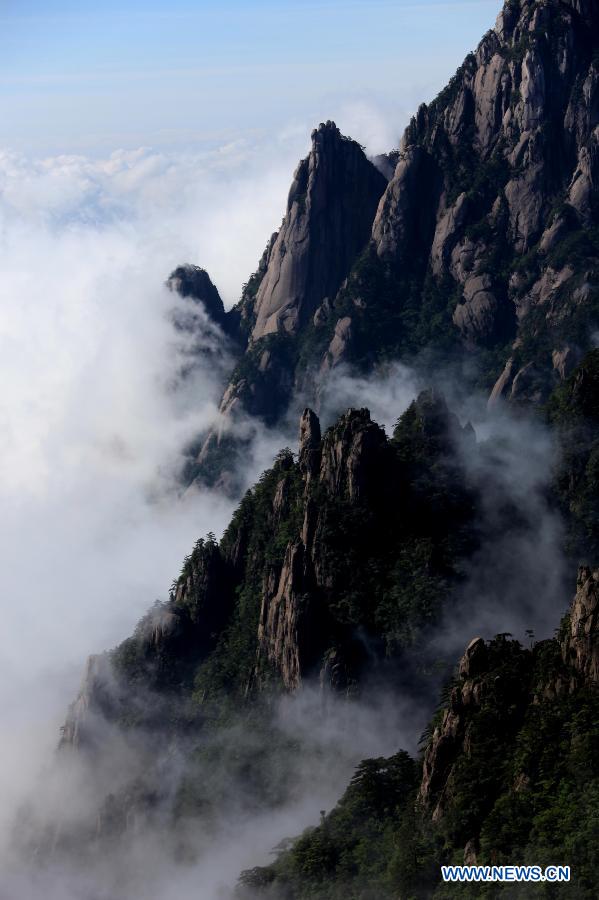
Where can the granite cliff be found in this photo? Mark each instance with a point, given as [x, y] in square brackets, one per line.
[479, 243]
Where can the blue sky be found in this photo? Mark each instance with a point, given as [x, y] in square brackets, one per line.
[90, 77]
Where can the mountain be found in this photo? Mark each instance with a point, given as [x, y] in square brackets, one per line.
[332, 567]
[509, 774]
[330, 579]
[342, 572]
[353, 569]
[195, 283]
[330, 208]
[480, 252]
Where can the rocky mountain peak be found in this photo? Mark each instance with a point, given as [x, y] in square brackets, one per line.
[480, 239]
[350, 452]
[326, 137]
[195, 282]
[503, 676]
[508, 154]
[330, 208]
[309, 443]
[475, 659]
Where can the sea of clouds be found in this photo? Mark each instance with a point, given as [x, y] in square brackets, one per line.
[94, 413]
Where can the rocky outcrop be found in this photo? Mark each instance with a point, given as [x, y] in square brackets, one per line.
[449, 227]
[477, 235]
[289, 581]
[330, 208]
[309, 446]
[520, 117]
[502, 681]
[476, 315]
[283, 630]
[351, 476]
[449, 738]
[345, 466]
[96, 701]
[195, 283]
[518, 84]
[339, 347]
[351, 452]
[203, 592]
[405, 219]
[580, 646]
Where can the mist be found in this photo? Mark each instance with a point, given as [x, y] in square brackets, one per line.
[519, 581]
[313, 746]
[386, 392]
[101, 396]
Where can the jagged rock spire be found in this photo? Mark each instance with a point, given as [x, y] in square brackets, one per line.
[330, 209]
[309, 443]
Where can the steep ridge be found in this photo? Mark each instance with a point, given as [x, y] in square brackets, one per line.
[330, 209]
[483, 246]
[195, 283]
[288, 593]
[509, 776]
[506, 159]
[334, 571]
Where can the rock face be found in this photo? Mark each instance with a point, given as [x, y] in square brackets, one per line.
[453, 737]
[330, 208]
[309, 444]
[514, 111]
[331, 205]
[96, 699]
[283, 631]
[195, 283]
[405, 220]
[345, 465]
[483, 238]
[499, 685]
[580, 647]
[291, 573]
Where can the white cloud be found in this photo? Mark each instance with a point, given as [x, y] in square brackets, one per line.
[94, 417]
[375, 129]
[94, 414]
